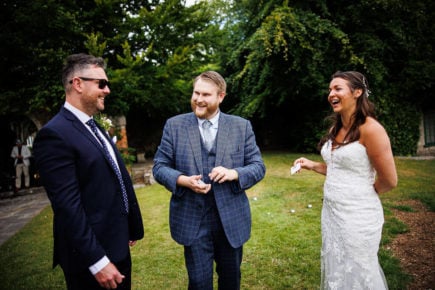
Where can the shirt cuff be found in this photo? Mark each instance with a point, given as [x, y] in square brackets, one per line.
[98, 266]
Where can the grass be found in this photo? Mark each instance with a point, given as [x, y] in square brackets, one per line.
[283, 252]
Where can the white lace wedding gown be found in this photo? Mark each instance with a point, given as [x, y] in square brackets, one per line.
[352, 219]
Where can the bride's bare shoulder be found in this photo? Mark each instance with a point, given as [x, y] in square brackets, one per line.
[371, 129]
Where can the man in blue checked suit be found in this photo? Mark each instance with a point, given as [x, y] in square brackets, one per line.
[208, 169]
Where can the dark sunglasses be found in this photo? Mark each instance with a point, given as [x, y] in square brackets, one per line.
[102, 83]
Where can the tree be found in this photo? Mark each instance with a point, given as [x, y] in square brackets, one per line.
[34, 38]
[152, 48]
[276, 55]
[167, 46]
[280, 71]
[395, 38]
[288, 50]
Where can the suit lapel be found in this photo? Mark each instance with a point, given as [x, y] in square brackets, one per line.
[85, 132]
[100, 147]
[79, 126]
[195, 141]
[222, 138]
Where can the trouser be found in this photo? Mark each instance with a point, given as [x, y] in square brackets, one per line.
[212, 245]
[19, 170]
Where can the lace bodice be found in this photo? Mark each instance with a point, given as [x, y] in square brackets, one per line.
[352, 219]
[348, 164]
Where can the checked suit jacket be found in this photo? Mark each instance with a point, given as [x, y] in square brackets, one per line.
[85, 195]
[180, 154]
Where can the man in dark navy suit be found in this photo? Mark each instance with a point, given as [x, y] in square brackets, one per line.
[207, 159]
[96, 214]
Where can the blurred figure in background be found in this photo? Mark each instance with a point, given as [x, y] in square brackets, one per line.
[21, 154]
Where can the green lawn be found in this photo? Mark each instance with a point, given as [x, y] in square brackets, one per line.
[283, 252]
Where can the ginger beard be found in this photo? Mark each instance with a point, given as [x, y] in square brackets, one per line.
[93, 103]
[204, 110]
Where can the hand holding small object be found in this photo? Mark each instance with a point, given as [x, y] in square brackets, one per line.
[202, 187]
[295, 168]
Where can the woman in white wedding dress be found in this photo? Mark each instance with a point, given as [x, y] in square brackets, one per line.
[359, 165]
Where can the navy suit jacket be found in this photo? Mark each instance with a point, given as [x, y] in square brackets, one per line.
[180, 153]
[85, 195]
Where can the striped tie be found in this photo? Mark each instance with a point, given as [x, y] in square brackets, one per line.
[91, 123]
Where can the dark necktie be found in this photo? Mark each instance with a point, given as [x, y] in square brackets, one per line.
[91, 123]
[207, 135]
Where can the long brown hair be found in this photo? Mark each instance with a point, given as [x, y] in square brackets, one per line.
[364, 109]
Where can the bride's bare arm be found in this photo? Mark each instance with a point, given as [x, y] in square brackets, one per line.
[375, 139]
[305, 163]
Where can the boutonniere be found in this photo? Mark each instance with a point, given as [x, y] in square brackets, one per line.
[103, 121]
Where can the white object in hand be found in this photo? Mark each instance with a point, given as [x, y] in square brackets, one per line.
[295, 168]
[200, 181]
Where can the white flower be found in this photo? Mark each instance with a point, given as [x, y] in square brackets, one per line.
[106, 123]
